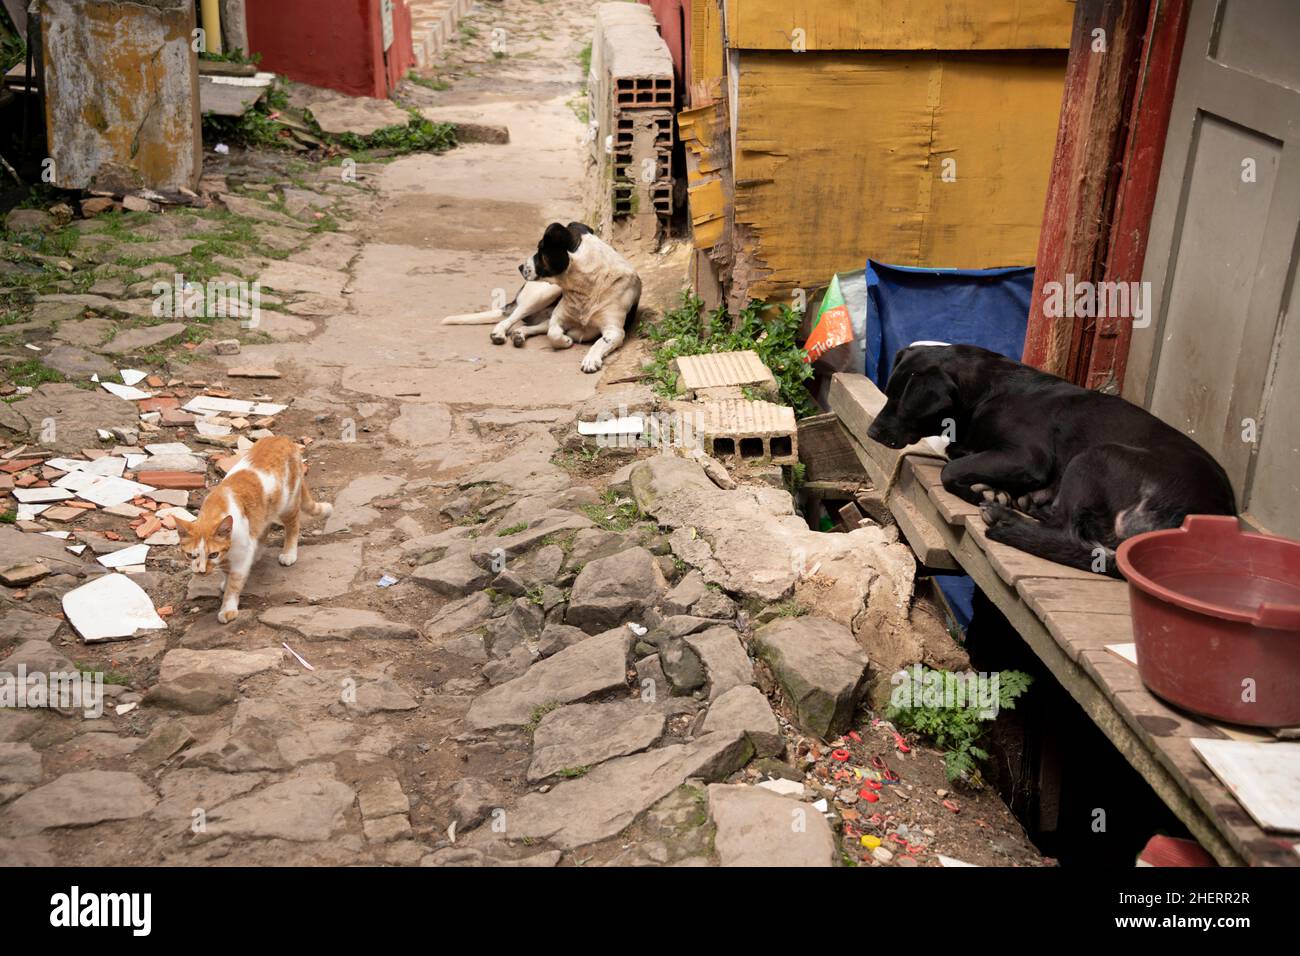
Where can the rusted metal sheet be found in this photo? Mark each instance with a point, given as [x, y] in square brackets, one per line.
[903, 157]
[122, 104]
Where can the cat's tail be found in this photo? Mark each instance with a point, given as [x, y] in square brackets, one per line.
[310, 506]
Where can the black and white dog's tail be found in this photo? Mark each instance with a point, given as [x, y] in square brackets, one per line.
[490, 317]
[1055, 544]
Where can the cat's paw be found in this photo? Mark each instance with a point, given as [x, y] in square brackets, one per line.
[226, 615]
[287, 558]
[324, 509]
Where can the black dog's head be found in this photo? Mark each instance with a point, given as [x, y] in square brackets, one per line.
[552, 256]
[920, 395]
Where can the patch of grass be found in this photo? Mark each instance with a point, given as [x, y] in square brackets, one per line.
[513, 529]
[790, 609]
[956, 730]
[417, 136]
[473, 518]
[110, 677]
[614, 513]
[428, 82]
[33, 372]
[538, 713]
[571, 773]
[687, 330]
[8, 517]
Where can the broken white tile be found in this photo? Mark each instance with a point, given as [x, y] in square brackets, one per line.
[111, 606]
[169, 448]
[124, 511]
[169, 496]
[153, 418]
[67, 464]
[57, 534]
[136, 554]
[133, 569]
[135, 461]
[77, 480]
[131, 376]
[76, 548]
[36, 496]
[112, 491]
[205, 427]
[628, 425]
[175, 513]
[125, 392]
[163, 538]
[28, 512]
[211, 405]
[110, 466]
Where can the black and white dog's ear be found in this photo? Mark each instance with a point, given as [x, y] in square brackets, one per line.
[926, 394]
[577, 230]
[557, 236]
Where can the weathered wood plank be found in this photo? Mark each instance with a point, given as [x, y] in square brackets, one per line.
[926, 542]
[1077, 631]
[826, 450]
[1052, 595]
[1012, 564]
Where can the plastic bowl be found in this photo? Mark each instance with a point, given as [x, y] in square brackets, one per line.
[1216, 619]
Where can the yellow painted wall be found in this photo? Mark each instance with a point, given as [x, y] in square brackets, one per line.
[900, 24]
[706, 42]
[839, 157]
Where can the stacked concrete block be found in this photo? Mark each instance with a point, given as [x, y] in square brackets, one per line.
[720, 375]
[632, 102]
[739, 431]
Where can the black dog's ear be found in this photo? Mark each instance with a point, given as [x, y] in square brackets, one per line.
[898, 357]
[927, 394]
[557, 236]
[578, 230]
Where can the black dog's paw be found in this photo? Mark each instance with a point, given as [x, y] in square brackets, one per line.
[497, 338]
[995, 513]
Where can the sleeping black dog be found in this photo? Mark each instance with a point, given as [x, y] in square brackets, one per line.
[1093, 469]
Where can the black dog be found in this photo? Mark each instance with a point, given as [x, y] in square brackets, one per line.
[1092, 468]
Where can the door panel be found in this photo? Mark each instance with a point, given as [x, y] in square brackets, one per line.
[1219, 358]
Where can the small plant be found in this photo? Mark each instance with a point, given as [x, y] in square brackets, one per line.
[513, 529]
[790, 609]
[570, 773]
[428, 82]
[614, 513]
[32, 373]
[957, 730]
[683, 331]
[538, 713]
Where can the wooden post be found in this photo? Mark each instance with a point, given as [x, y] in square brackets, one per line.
[1153, 101]
[1100, 77]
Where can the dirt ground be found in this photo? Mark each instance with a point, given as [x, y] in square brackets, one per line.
[399, 414]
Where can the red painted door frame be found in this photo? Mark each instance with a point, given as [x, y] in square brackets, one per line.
[1149, 123]
[1114, 116]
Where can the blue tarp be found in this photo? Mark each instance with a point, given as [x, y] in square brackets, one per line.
[986, 307]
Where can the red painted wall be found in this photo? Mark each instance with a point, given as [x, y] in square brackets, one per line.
[337, 44]
[674, 18]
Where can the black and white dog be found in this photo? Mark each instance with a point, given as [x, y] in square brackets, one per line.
[1093, 469]
[595, 292]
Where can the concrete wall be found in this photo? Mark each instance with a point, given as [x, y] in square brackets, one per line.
[122, 106]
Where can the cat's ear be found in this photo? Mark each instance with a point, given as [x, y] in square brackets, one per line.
[225, 527]
[184, 525]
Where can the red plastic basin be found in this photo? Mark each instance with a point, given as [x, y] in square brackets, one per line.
[1216, 618]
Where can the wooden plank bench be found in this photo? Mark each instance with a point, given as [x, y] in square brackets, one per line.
[1067, 617]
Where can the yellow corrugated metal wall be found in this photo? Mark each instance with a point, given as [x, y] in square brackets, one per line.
[917, 133]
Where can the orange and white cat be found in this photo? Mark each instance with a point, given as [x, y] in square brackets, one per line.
[267, 486]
